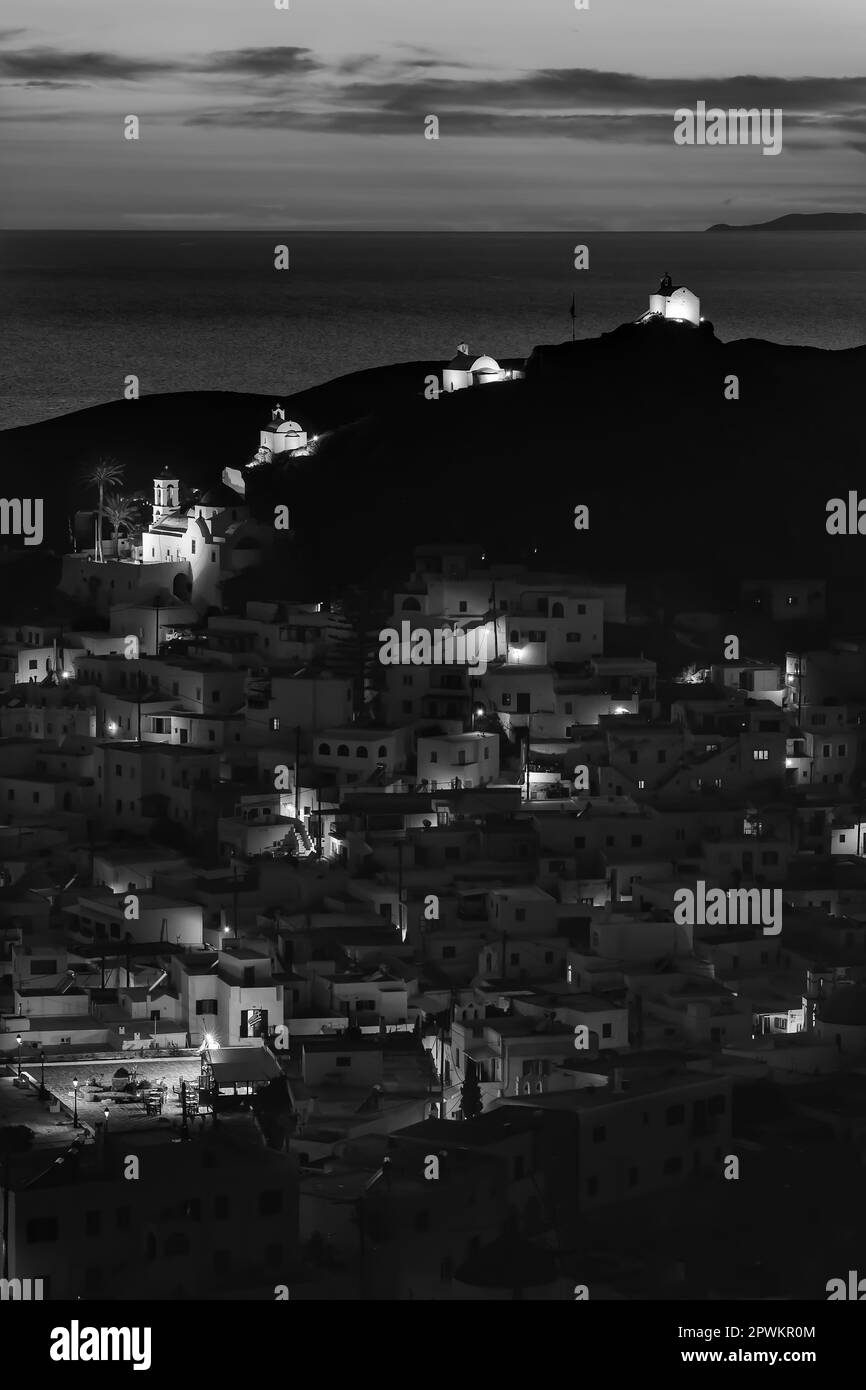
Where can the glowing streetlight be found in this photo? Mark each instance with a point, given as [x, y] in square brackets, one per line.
[75, 1102]
[18, 1040]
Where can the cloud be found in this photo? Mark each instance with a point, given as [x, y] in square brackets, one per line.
[261, 62]
[46, 82]
[45, 63]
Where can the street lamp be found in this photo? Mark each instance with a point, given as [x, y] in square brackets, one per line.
[75, 1102]
[42, 1077]
[18, 1040]
[105, 1113]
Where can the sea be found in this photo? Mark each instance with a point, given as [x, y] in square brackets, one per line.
[192, 311]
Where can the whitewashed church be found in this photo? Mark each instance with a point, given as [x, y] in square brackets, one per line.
[674, 303]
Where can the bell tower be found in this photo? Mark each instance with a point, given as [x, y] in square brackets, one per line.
[166, 495]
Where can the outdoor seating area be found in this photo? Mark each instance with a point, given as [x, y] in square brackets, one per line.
[126, 1087]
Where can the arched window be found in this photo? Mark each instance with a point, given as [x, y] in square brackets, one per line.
[342, 751]
[557, 611]
[325, 749]
[383, 751]
[363, 752]
[411, 605]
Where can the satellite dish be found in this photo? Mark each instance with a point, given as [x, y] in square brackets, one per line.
[464, 348]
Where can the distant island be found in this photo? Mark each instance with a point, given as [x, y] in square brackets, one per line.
[801, 222]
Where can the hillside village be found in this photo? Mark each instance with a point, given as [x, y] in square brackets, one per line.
[393, 947]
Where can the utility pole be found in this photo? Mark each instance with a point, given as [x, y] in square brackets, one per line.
[399, 844]
[319, 821]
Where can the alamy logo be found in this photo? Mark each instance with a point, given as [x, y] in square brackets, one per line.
[76, 1343]
[22, 516]
[736, 907]
[738, 127]
[438, 646]
[23, 1290]
[855, 1290]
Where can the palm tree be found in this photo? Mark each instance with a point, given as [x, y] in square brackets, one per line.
[119, 511]
[105, 472]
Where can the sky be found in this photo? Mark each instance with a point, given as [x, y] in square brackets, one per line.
[314, 116]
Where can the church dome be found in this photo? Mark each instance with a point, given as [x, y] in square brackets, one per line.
[484, 364]
[289, 427]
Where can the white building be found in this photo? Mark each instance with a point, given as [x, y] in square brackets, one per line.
[465, 370]
[281, 436]
[673, 302]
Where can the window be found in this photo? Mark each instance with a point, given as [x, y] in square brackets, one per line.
[343, 751]
[636, 841]
[270, 1203]
[580, 842]
[505, 699]
[572, 637]
[825, 750]
[324, 749]
[760, 755]
[770, 856]
[206, 1006]
[383, 751]
[675, 1114]
[569, 707]
[548, 958]
[344, 1061]
[362, 752]
[449, 952]
[841, 751]
[514, 958]
[41, 1228]
[606, 1030]
[520, 914]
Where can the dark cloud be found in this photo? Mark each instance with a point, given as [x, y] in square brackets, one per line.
[47, 82]
[572, 103]
[261, 62]
[48, 63]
